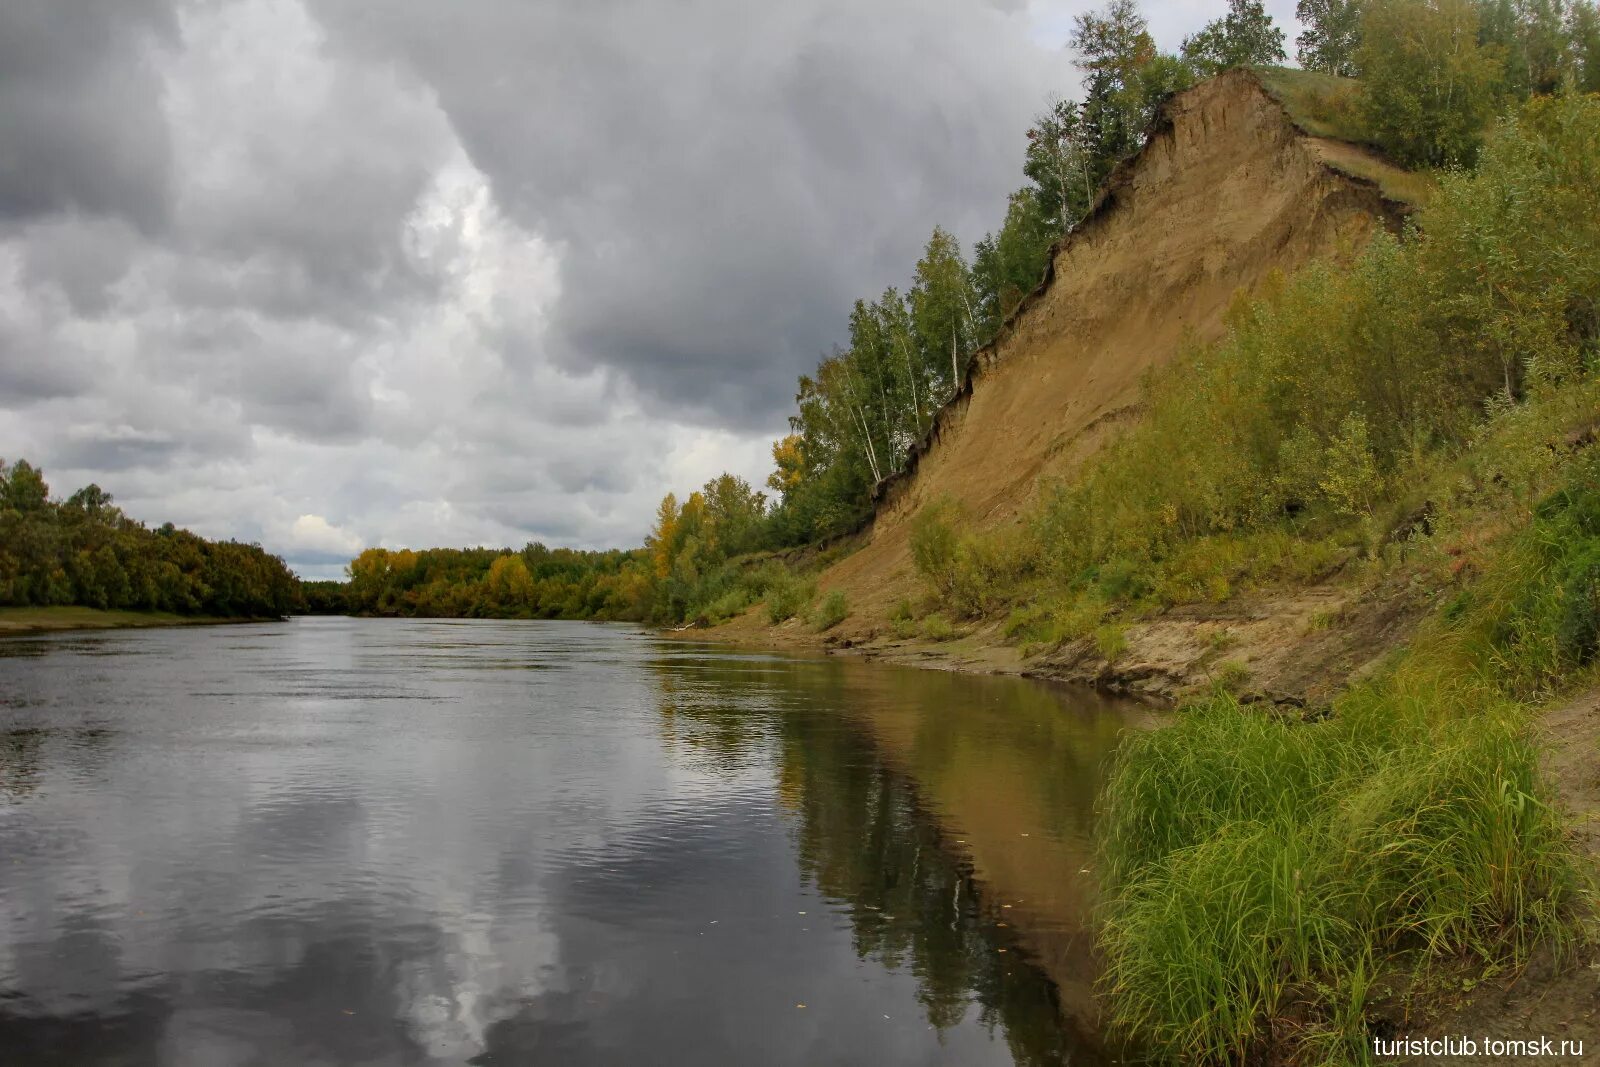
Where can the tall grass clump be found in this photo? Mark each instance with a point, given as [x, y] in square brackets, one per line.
[1256, 868]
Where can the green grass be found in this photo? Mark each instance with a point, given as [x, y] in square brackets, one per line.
[1260, 872]
[1323, 105]
[14, 620]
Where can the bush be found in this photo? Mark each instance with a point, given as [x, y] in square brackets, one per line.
[967, 575]
[787, 596]
[835, 608]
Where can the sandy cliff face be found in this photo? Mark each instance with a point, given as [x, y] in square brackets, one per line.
[1227, 191]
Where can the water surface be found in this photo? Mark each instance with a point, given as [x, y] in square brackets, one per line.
[338, 841]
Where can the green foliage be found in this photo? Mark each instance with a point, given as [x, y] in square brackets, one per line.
[1350, 479]
[1009, 264]
[1583, 25]
[1331, 38]
[1125, 79]
[1246, 35]
[1428, 87]
[834, 609]
[965, 574]
[1333, 383]
[1059, 161]
[788, 595]
[1551, 622]
[1254, 867]
[537, 582]
[85, 551]
[1534, 40]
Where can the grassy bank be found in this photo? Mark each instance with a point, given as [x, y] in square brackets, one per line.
[1268, 878]
[14, 621]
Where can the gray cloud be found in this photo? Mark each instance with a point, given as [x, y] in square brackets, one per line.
[80, 108]
[724, 178]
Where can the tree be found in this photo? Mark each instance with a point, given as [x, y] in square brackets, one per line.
[942, 312]
[1583, 26]
[662, 542]
[23, 489]
[734, 513]
[92, 501]
[1533, 39]
[1245, 35]
[1058, 160]
[1125, 78]
[508, 587]
[1007, 265]
[789, 462]
[1428, 88]
[1331, 38]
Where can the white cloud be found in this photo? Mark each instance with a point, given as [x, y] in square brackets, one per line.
[313, 534]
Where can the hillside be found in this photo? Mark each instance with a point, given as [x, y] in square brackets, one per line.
[1228, 190]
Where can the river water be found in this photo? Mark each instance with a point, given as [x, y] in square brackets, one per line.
[343, 841]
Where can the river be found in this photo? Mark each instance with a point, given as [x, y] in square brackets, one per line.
[347, 841]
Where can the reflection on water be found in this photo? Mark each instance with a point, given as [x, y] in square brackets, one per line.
[352, 842]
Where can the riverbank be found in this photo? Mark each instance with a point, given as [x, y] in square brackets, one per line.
[1294, 645]
[17, 622]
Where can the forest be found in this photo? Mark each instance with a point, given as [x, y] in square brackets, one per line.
[84, 551]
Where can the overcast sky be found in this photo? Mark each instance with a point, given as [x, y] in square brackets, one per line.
[327, 274]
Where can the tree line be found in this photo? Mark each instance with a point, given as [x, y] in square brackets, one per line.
[661, 582]
[84, 551]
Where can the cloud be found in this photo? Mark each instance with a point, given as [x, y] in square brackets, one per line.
[724, 178]
[476, 273]
[313, 534]
[80, 118]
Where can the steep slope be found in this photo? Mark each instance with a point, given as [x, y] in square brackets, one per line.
[1227, 190]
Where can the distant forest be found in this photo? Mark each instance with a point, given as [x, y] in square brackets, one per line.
[83, 550]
